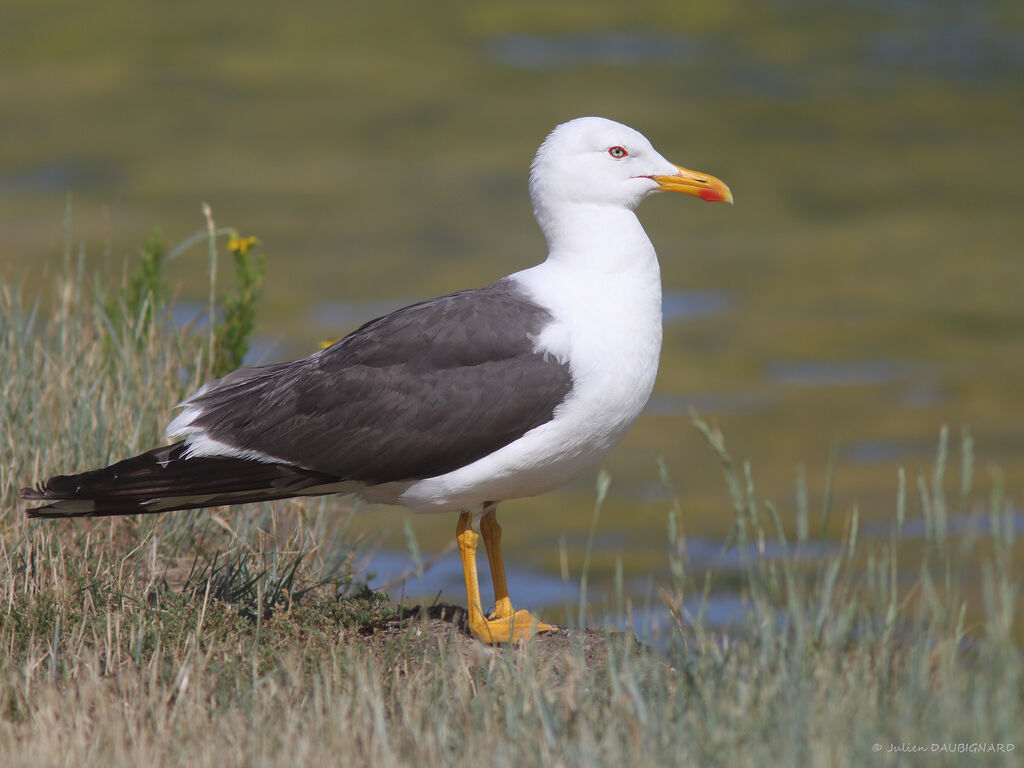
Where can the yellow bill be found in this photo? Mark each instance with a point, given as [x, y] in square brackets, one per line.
[701, 185]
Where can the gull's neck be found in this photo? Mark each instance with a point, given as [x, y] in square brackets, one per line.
[597, 238]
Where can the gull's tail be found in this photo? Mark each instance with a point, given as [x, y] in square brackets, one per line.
[163, 480]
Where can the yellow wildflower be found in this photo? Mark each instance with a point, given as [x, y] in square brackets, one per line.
[242, 245]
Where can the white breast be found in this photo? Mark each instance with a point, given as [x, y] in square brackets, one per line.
[607, 326]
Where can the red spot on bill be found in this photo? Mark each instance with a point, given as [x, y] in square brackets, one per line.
[711, 195]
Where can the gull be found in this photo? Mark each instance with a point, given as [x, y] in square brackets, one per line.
[453, 404]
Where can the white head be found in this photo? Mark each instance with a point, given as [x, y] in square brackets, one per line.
[592, 160]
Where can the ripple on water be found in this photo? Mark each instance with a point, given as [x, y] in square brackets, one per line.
[966, 45]
[262, 348]
[655, 625]
[826, 373]
[961, 525]
[709, 553]
[649, 620]
[347, 314]
[667, 404]
[619, 49]
[686, 305]
[444, 577]
[62, 176]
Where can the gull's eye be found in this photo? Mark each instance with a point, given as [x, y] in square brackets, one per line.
[617, 152]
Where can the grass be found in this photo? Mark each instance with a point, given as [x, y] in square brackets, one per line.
[244, 638]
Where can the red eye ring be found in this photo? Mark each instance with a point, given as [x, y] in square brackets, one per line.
[617, 152]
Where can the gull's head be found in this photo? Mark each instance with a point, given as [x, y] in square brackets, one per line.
[596, 161]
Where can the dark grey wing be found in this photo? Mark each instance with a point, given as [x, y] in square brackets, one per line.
[414, 394]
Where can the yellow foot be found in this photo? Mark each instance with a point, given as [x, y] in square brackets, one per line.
[509, 629]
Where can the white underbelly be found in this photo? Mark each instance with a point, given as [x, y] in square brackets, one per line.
[544, 459]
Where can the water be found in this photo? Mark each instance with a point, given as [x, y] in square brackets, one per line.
[349, 314]
[960, 525]
[641, 612]
[654, 624]
[667, 404]
[444, 581]
[58, 176]
[705, 553]
[880, 451]
[966, 44]
[829, 373]
[262, 348]
[616, 49]
[677, 306]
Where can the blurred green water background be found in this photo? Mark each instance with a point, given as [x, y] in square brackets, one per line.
[865, 289]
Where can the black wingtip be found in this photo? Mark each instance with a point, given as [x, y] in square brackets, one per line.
[161, 480]
[34, 493]
[52, 512]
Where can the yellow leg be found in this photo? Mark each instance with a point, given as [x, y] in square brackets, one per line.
[505, 624]
[466, 538]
